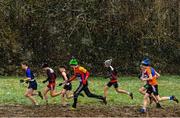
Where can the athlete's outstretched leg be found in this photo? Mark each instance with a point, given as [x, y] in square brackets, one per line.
[53, 93]
[145, 103]
[29, 94]
[63, 94]
[46, 90]
[106, 91]
[142, 90]
[89, 94]
[124, 92]
[76, 94]
[167, 98]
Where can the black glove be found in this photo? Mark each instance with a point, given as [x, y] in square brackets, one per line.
[139, 76]
[44, 81]
[21, 81]
[60, 84]
[107, 76]
[27, 82]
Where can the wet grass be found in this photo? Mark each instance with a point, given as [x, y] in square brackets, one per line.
[12, 92]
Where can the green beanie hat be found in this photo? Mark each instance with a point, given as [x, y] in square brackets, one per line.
[73, 62]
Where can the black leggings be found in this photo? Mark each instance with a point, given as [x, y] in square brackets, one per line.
[87, 92]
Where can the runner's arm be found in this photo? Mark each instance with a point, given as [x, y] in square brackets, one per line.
[87, 75]
[157, 74]
[72, 78]
[149, 78]
[64, 76]
[46, 80]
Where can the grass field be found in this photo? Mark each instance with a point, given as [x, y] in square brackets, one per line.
[12, 91]
[13, 102]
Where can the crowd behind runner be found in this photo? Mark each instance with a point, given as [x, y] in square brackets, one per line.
[148, 75]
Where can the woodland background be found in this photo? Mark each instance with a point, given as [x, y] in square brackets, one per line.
[53, 31]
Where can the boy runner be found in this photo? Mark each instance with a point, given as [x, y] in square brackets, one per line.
[112, 74]
[32, 87]
[51, 79]
[143, 89]
[82, 74]
[67, 87]
[153, 88]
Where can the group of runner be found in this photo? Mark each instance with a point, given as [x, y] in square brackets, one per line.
[148, 75]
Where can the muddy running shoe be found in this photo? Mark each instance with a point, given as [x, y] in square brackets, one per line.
[174, 99]
[40, 94]
[72, 108]
[36, 105]
[158, 105]
[142, 110]
[66, 105]
[131, 95]
[104, 100]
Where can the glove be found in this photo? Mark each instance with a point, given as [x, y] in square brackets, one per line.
[60, 84]
[106, 77]
[44, 81]
[139, 76]
[21, 81]
[26, 82]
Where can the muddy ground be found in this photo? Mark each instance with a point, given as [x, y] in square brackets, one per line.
[85, 110]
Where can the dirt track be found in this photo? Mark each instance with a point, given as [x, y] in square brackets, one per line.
[82, 111]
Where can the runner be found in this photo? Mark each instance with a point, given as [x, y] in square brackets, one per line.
[32, 87]
[51, 79]
[144, 88]
[66, 92]
[152, 80]
[113, 75]
[82, 75]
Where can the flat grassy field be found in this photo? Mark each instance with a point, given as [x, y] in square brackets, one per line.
[14, 104]
[12, 92]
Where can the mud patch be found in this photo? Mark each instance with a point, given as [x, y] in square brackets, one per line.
[85, 110]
